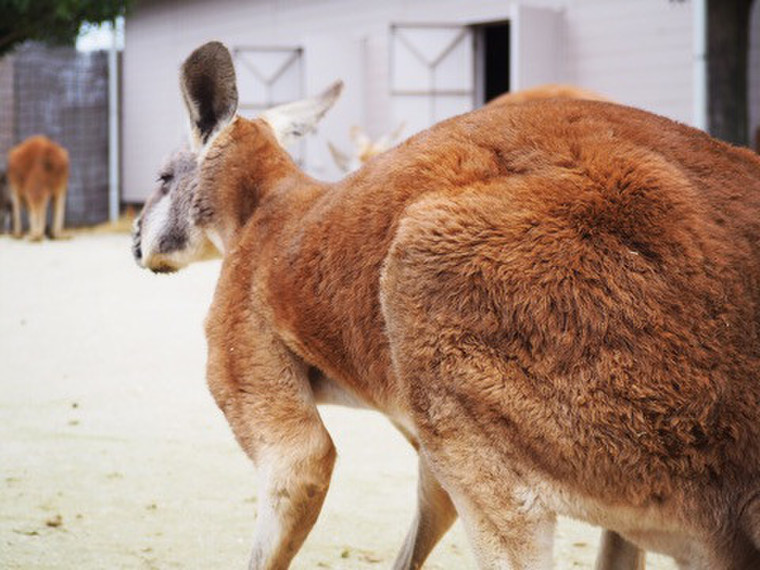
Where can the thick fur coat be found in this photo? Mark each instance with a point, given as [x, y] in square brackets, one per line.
[578, 299]
[558, 302]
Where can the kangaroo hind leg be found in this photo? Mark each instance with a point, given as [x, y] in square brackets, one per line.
[435, 515]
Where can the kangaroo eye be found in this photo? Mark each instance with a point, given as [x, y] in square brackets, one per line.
[164, 180]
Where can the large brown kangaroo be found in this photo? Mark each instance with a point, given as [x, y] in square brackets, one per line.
[558, 303]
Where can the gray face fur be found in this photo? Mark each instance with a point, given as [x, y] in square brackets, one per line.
[164, 238]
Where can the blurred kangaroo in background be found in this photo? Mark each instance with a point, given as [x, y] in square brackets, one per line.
[38, 172]
[364, 148]
[547, 91]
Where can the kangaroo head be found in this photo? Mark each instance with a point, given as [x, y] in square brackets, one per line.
[164, 238]
[233, 162]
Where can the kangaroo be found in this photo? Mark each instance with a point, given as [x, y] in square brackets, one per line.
[176, 234]
[38, 171]
[558, 303]
[548, 91]
[364, 148]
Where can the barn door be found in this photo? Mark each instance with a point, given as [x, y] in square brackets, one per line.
[431, 73]
[267, 76]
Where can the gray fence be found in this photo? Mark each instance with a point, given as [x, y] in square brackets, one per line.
[7, 106]
[63, 94]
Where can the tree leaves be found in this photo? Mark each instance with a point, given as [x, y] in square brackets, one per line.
[52, 21]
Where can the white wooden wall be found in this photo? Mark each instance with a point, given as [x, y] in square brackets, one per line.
[637, 52]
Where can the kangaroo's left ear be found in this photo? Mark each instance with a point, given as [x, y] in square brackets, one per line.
[294, 120]
[209, 88]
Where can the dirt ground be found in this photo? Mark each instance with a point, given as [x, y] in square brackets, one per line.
[113, 454]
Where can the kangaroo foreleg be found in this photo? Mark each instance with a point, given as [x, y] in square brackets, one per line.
[264, 393]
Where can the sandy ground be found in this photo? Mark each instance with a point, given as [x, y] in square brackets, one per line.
[113, 454]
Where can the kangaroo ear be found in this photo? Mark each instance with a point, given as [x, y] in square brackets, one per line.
[342, 160]
[209, 88]
[293, 120]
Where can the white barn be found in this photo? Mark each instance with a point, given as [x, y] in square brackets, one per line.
[409, 61]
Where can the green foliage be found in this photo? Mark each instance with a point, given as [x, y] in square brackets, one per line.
[52, 21]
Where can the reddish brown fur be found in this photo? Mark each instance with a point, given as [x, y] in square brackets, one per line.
[38, 171]
[557, 302]
[574, 286]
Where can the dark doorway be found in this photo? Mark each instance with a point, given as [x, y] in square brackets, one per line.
[492, 52]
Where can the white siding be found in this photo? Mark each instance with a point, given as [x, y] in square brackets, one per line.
[635, 52]
[536, 47]
[638, 52]
[321, 71]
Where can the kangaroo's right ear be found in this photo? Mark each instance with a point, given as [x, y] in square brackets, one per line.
[209, 88]
[293, 120]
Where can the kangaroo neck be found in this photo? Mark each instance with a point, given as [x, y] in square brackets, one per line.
[270, 181]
